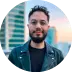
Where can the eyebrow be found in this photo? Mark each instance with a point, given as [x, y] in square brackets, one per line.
[36, 20]
[33, 20]
[43, 20]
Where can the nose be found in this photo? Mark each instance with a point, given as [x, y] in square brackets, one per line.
[38, 25]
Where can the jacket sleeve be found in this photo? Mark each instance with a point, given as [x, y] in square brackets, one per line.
[60, 57]
[12, 56]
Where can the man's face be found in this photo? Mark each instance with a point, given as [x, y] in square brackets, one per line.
[38, 26]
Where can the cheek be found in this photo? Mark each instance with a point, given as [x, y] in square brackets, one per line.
[46, 29]
[31, 30]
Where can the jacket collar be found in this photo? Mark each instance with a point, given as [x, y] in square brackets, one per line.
[49, 49]
[25, 48]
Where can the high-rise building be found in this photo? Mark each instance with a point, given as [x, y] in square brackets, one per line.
[15, 21]
[2, 35]
[64, 47]
[51, 36]
[12, 33]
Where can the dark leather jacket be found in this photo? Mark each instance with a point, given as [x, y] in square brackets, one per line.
[21, 58]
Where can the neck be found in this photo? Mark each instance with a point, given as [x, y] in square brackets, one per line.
[37, 45]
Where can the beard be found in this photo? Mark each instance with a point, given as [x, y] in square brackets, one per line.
[38, 39]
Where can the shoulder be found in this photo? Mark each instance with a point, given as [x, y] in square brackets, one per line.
[15, 52]
[19, 49]
[16, 49]
[51, 48]
[58, 55]
[56, 52]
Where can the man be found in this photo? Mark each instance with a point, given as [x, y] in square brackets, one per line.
[36, 55]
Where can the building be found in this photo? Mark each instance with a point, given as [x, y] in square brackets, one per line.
[64, 47]
[2, 34]
[51, 36]
[12, 33]
[15, 26]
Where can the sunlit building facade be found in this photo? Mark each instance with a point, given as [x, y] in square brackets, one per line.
[12, 33]
[16, 24]
[51, 36]
[2, 35]
[64, 47]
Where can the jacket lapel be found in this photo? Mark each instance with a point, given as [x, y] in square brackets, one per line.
[49, 60]
[24, 57]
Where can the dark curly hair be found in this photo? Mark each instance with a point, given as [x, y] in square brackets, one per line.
[39, 8]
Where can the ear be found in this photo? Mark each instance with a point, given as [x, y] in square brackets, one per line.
[48, 26]
[28, 25]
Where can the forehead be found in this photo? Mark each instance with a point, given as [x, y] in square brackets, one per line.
[38, 15]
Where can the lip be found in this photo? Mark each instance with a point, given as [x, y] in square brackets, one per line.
[38, 32]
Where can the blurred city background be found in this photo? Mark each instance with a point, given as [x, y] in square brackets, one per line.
[14, 31]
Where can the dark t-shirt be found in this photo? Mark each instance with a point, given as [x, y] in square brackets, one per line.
[37, 57]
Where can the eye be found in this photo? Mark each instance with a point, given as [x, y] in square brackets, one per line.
[43, 23]
[34, 22]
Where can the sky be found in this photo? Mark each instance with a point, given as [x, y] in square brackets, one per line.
[57, 19]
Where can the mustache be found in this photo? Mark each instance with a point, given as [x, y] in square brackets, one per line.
[38, 30]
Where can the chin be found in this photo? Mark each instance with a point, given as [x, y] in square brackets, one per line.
[38, 36]
[38, 41]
